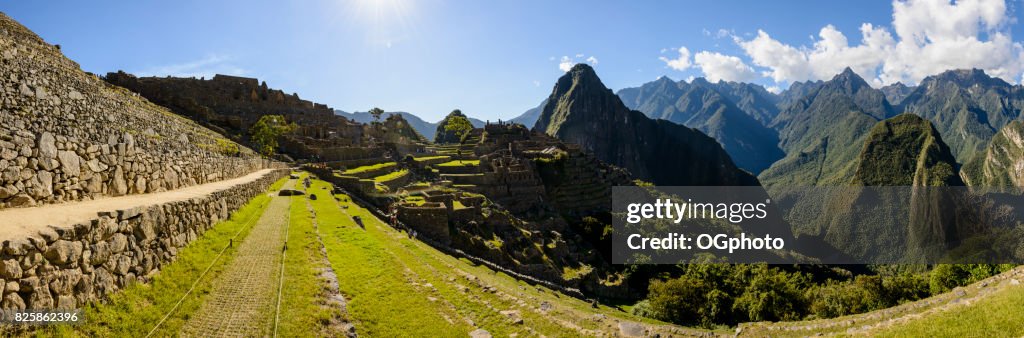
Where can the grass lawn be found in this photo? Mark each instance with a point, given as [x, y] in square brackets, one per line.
[457, 163]
[380, 300]
[429, 158]
[303, 311]
[134, 310]
[391, 176]
[366, 168]
[1002, 312]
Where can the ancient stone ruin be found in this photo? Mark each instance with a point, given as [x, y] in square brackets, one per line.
[68, 136]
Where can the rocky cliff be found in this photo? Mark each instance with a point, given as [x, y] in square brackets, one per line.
[66, 135]
[1001, 164]
[583, 111]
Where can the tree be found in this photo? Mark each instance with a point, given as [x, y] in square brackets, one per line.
[376, 112]
[458, 126]
[265, 132]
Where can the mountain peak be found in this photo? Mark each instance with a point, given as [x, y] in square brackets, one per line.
[906, 150]
[966, 78]
[849, 76]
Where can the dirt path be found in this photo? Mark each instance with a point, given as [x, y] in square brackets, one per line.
[21, 222]
[242, 302]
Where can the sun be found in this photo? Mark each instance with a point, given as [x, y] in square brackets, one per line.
[386, 22]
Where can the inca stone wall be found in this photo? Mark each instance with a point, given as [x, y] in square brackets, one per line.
[66, 135]
[67, 267]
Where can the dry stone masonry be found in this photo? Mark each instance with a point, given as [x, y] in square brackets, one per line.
[67, 135]
[67, 267]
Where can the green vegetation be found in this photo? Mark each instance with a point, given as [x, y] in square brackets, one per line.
[459, 163]
[376, 112]
[265, 132]
[303, 309]
[903, 150]
[396, 286]
[999, 314]
[452, 128]
[428, 158]
[391, 176]
[227, 147]
[709, 295]
[133, 311]
[366, 168]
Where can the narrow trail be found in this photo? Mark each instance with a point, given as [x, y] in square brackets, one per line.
[243, 301]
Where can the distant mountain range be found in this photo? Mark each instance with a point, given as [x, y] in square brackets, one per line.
[810, 134]
[427, 129]
[712, 108]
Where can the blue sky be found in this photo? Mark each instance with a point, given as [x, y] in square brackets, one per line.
[495, 59]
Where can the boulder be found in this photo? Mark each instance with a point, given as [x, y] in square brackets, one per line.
[480, 333]
[70, 162]
[47, 146]
[290, 192]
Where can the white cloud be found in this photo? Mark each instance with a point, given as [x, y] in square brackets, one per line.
[566, 62]
[773, 89]
[206, 67]
[931, 36]
[680, 63]
[723, 67]
[536, 83]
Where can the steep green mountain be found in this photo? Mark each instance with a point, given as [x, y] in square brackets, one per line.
[452, 128]
[967, 107]
[896, 92]
[529, 117]
[583, 111]
[701, 105]
[426, 129]
[822, 133]
[876, 216]
[796, 91]
[906, 150]
[1001, 165]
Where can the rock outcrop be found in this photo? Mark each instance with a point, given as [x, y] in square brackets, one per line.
[583, 111]
[1001, 165]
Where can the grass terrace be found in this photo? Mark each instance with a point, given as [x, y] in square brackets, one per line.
[391, 176]
[430, 158]
[457, 163]
[366, 168]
